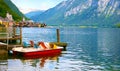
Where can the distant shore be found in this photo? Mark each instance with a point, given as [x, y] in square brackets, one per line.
[22, 24]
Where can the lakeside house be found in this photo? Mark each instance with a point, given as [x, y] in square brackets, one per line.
[7, 21]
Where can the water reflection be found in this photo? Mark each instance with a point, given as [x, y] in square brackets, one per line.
[3, 65]
[99, 48]
[109, 45]
[82, 41]
[3, 58]
[33, 64]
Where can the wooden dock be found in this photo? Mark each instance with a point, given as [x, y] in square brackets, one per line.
[10, 37]
[13, 38]
[11, 41]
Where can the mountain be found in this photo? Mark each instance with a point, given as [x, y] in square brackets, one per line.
[8, 6]
[34, 14]
[83, 12]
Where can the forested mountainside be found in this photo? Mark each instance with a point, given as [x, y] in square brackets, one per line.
[8, 6]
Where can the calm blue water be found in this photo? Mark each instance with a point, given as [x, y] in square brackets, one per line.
[89, 49]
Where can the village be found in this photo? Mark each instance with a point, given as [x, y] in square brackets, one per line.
[9, 21]
[11, 31]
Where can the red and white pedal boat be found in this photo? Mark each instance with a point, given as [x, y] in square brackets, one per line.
[31, 51]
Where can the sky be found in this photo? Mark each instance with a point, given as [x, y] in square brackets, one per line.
[26, 6]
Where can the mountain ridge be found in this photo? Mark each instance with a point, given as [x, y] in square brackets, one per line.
[33, 14]
[83, 12]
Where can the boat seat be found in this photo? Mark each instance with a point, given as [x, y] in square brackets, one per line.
[25, 45]
[31, 43]
[36, 46]
[45, 45]
[42, 45]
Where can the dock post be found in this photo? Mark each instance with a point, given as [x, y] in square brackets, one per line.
[14, 31]
[58, 43]
[58, 35]
[20, 35]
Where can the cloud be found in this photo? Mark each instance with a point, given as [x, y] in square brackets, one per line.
[44, 6]
[26, 6]
[24, 11]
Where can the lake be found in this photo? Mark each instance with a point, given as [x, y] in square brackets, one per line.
[89, 49]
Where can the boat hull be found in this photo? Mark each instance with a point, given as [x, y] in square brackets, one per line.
[43, 53]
